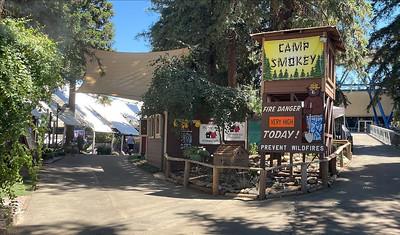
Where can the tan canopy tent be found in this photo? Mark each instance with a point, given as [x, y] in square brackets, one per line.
[123, 74]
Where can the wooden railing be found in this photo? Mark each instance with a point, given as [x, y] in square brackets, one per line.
[343, 151]
[386, 136]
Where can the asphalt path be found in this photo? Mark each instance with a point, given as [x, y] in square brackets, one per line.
[107, 195]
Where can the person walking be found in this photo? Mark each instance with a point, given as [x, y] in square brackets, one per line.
[131, 144]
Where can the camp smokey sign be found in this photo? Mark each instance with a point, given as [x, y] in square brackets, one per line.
[293, 58]
[282, 125]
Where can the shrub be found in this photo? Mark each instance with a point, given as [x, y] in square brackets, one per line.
[253, 149]
[196, 153]
[103, 150]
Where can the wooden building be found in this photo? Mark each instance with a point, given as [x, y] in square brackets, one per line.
[299, 70]
[164, 136]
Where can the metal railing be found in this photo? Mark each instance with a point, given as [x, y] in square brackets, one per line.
[384, 135]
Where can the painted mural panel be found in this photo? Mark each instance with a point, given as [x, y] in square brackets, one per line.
[293, 58]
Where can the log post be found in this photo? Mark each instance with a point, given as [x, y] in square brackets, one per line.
[167, 167]
[215, 182]
[262, 184]
[186, 174]
[304, 177]
[349, 153]
[341, 159]
[262, 161]
[291, 165]
[324, 168]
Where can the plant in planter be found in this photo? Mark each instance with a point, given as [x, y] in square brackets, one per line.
[196, 153]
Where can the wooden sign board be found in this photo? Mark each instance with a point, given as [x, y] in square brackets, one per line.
[296, 58]
[287, 128]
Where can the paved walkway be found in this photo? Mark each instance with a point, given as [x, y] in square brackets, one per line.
[106, 195]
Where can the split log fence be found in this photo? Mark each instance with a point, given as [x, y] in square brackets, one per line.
[343, 151]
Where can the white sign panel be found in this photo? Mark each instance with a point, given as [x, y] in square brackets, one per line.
[209, 134]
[235, 132]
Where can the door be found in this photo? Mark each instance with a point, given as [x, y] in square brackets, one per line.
[363, 125]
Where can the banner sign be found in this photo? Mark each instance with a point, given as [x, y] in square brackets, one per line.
[209, 134]
[235, 132]
[287, 128]
[293, 58]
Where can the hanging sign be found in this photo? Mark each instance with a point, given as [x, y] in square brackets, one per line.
[293, 58]
[283, 129]
[235, 132]
[209, 134]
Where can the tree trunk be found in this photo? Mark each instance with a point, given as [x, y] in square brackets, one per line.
[1, 8]
[274, 21]
[232, 66]
[71, 105]
[212, 63]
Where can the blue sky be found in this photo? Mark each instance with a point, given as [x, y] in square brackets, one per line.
[130, 18]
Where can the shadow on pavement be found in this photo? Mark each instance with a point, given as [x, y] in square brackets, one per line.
[233, 225]
[70, 228]
[77, 173]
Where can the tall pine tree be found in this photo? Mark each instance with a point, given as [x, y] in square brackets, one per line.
[77, 27]
[384, 42]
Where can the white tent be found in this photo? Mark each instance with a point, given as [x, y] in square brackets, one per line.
[120, 114]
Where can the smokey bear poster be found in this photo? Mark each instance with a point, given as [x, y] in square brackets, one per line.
[235, 132]
[209, 134]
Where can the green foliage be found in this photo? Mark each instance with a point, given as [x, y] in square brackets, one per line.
[77, 27]
[253, 100]
[253, 149]
[103, 150]
[207, 25]
[103, 137]
[196, 153]
[385, 63]
[180, 87]
[30, 68]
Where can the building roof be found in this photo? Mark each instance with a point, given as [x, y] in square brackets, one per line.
[359, 101]
[332, 32]
[122, 74]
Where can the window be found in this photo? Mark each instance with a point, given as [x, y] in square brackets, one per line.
[150, 126]
[154, 126]
[158, 126]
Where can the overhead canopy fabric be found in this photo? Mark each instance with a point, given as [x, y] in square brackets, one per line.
[122, 74]
[120, 115]
[338, 112]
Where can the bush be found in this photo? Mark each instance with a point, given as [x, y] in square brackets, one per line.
[103, 150]
[253, 149]
[196, 153]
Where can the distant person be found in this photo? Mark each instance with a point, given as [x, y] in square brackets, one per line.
[80, 142]
[131, 144]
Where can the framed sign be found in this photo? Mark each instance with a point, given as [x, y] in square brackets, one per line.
[235, 132]
[186, 139]
[286, 128]
[209, 134]
[293, 58]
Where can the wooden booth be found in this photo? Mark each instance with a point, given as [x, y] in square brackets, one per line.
[171, 137]
[298, 90]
